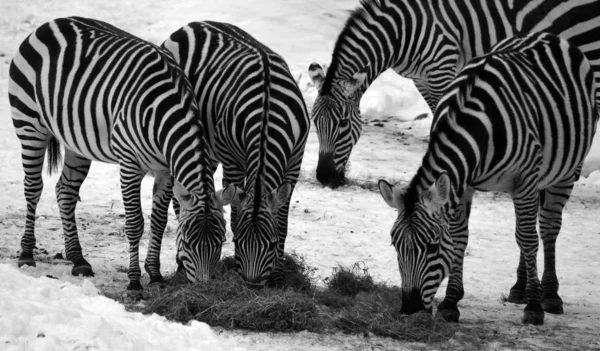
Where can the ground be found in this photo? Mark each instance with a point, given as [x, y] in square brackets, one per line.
[329, 228]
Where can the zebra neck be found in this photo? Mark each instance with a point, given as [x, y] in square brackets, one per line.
[434, 164]
[188, 158]
[366, 44]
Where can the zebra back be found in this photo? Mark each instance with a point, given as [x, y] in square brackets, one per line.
[259, 125]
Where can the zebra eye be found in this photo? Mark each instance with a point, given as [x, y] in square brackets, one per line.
[344, 122]
[433, 248]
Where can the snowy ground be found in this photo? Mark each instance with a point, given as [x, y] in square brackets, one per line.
[327, 227]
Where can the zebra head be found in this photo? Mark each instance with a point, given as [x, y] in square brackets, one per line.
[201, 230]
[256, 232]
[422, 240]
[336, 115]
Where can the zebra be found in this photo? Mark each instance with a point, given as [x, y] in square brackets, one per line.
[430, 41]
[109, 96]
[520, 120]
[257, 125]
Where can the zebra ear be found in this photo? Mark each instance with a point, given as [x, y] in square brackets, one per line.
[226, 195]
[438, 194]
[316, 74]
[183, 196]
[392, 195]
[279, 196]
[351, 84]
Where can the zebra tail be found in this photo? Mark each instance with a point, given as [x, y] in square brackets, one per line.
[54, 155]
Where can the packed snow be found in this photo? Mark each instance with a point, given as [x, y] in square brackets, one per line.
[45, 308]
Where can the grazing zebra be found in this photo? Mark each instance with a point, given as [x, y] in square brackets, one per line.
[430, 41]
[109, 96]
[257, 124]
[521, 120]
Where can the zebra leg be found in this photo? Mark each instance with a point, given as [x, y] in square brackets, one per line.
[517, 292]
[75, 170]
[552, 203]
[176, 209]
[459, 229]
[131, 179]
[33, 152]
[282, 219]
[162, 193]
[526, 211]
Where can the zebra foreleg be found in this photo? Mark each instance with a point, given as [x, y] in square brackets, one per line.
[131, 179]
[526, 212]
[277, 275]
[459, 229]
[162, 193]
[75, 170]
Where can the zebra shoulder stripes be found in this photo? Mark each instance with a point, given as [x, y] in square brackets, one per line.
[520, 120]
[428, 41]
[109, 96]
[257, 123]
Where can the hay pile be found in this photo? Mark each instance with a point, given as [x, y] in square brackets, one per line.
[350, 302]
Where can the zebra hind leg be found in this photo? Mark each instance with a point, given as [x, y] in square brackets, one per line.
[33, 151]
[526, 212]
[75, 170]
[552, 203]
[162, 193]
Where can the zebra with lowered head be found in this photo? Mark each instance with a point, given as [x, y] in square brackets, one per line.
[109, 96]
[257, 124]
[520, 120]
[430, 41]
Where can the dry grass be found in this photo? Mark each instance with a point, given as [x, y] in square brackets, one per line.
[350, 302]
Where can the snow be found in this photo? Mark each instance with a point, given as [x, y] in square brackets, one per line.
[329, 228]
[49, 314]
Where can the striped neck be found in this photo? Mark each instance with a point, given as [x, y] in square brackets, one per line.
[454, 149]
[367, 41]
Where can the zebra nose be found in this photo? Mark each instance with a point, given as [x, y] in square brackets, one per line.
[254, 282]
[411, 302]
[325, 169]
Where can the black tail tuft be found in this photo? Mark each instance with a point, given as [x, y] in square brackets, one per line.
[54, 155]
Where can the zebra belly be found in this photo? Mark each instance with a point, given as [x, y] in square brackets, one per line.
[83, 136]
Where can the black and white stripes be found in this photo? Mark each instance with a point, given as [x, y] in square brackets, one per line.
[428, 41]
[521, 120]
[257, 124]
[109, 96]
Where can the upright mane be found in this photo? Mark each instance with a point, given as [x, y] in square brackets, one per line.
[360, 16]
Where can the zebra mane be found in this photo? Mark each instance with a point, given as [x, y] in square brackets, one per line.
[259, 180]
[361, 15]
[412, 195]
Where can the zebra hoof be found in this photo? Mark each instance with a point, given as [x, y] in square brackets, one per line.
[135, 287]
[533, 314]
[554, 306]
[449, 315]
[26, 259]
[156, 279]
[516, 296]
[83, 270]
